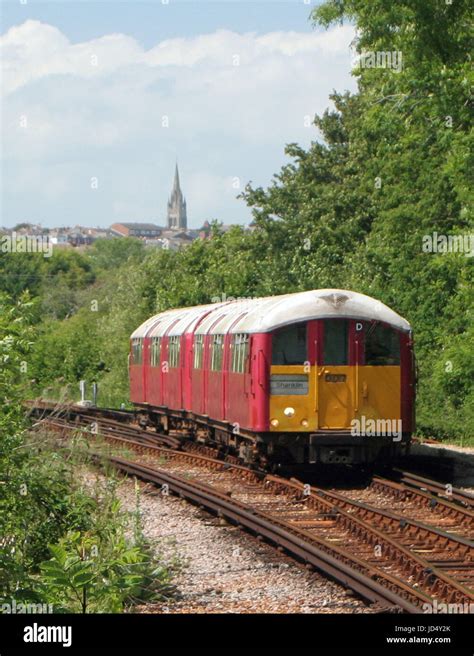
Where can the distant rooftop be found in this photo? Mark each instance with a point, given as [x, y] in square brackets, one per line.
[140, 226]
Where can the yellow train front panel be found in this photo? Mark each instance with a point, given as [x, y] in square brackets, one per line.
[293, 396]
[309, 398]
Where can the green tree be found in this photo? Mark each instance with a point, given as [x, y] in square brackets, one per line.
[112, 253]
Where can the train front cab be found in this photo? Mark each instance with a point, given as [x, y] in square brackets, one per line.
[341, 392]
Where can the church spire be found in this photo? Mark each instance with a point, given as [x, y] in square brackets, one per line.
[176, 179]
[177, 218]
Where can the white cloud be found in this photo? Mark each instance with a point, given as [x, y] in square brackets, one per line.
[98, 108]
[34, 50]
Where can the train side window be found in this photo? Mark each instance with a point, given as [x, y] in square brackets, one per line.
[240, 350]
[137, 350]
[289, 345]
[382, 346]
[217, 349]
[155, 351]
[336, 347]
[173, 351]
[198, 351]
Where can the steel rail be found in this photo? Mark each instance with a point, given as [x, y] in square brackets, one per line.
[438, 504]
[411, 527]
[186, 456]
[114, 429]
[333, 561]
[425, 574]
[436, 487]
[437, 582]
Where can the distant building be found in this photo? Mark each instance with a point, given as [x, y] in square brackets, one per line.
[100, 233]
[58, 238]
[77, 238]
[205, 231]
[29, 229]
[147, 230]
[177, 215]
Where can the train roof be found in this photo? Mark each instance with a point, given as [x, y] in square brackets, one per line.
[263, 315]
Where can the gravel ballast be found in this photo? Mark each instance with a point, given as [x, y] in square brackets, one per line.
[224, 570]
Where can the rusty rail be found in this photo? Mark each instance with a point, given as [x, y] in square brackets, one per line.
[333, 561]
[444, 490]
[370, 581]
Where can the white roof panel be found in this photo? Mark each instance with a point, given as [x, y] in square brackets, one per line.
[261, 315]
[150, 323]
[192, 316]
[317, 304]
[213, 321]
[168, 323]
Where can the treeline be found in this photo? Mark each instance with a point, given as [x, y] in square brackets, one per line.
[387, 175]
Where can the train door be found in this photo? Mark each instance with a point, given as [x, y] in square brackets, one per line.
[293, 397]
[336, 384]
[378, 371]
[238, 380]
[198, 369]
[150, 377]
[153, 380]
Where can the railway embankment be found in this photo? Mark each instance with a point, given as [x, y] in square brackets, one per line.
[454, 464]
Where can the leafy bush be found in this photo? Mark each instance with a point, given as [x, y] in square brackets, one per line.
[101, 572]
[99, 558]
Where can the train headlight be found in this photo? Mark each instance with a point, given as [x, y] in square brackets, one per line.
[305, 423]
[289, 412]
[274, 423]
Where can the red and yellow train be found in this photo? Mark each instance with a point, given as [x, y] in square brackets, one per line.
[323, 376]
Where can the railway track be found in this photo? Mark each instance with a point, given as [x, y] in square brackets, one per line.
[118, 422]
[394, 561]
[418, 496]
[442, 490]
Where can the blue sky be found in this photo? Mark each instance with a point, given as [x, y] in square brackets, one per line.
[99, 99]
[152, 21]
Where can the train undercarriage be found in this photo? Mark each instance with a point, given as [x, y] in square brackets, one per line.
[273, 450]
